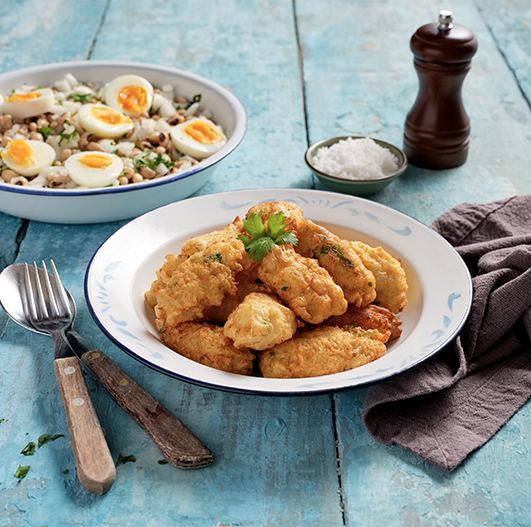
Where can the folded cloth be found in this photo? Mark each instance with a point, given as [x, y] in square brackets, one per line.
[454, 403]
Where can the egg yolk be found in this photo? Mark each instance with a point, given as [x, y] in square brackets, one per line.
[20, 152]
[21, 97]
[109, 116]
[133, 99]
[203, 133]
[95, 161]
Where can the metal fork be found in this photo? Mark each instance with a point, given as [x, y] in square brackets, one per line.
[54, 312]
[48, 309]
[48, 312]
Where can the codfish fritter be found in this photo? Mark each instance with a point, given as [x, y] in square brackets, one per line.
[200, 243]
[200, 282]
[206, 344]
[322, 351]
[305, 286]
[314, 306]
[391, 285]
[196, 245]
[229, 234]
[219, 314]
[260, 322]
[163, 277]
[369, 317]
[340, 260]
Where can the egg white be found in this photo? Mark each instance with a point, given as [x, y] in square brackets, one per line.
[93, 177]
[43, 153]
[30, 107]
[117, 85]
[189, 146]
[89, 121]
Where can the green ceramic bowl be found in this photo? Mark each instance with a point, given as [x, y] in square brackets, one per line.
[352, 186]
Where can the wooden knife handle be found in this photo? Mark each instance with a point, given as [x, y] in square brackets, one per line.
[178, 445]
[94, 463]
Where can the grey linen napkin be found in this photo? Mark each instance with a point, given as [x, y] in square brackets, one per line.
[454, 403]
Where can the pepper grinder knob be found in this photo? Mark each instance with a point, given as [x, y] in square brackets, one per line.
[437, 128]
[445, 20]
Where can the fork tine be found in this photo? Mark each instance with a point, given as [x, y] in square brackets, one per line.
[63, 299]
[52, 297]
[47, 305]
[41, 302]
[30, 308]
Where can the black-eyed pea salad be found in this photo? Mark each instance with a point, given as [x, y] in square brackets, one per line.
[75, 134]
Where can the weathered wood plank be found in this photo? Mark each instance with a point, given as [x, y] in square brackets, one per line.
[36, 32]
[360, 80]
[248, 47]
[385, 485]
[12, 229]
[275, 457]
[509, 23]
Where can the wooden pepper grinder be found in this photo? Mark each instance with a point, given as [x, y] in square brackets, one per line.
[437, 128]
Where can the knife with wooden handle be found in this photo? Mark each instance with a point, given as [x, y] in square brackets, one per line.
[178, 444]
[94, 463]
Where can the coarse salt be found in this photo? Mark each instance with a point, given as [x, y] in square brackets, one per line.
[356, 159]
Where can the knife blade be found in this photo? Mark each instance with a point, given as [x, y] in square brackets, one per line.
[179, 446]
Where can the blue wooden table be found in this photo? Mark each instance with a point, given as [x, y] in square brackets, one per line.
[304, 70]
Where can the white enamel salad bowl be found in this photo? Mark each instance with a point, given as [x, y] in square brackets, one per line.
[119, 203]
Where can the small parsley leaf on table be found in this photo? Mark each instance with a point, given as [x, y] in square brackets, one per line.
[125, 459]
[29, 449]
[22, 472]
[44, 438]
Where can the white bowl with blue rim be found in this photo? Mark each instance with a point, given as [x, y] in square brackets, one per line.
[128, 201]
[125, 265]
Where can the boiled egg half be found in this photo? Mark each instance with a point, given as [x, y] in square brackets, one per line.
[198, 137]
[104, 121]
[23, 105]
[28, 157]
[94, 169]
[130, 94]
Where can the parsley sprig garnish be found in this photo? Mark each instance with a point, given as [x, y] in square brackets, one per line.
[152, 163]
[195, 98]
[45, 131]
[72, 136]
[77, 97]
[262, 240]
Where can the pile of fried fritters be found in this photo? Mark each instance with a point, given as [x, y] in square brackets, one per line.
[322, 306]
